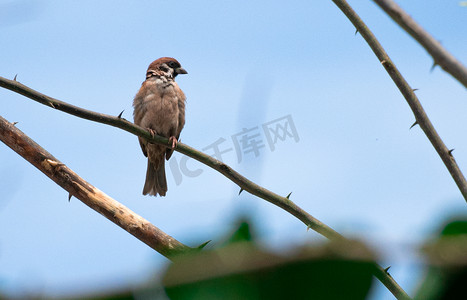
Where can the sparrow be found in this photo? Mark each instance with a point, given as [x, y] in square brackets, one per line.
[159, 106]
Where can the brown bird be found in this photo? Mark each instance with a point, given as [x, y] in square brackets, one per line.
[159, 106]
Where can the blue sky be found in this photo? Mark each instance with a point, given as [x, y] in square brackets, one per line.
[357, 167]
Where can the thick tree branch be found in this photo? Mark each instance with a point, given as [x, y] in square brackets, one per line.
[409, 95]
[88, 194]
[440, 55]
[242, 182]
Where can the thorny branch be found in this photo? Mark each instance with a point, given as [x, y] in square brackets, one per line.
[241, 181]
[440, 55]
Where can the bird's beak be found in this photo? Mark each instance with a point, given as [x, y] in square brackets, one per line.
[181, 71]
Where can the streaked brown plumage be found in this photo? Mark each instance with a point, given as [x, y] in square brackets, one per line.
[159, 106]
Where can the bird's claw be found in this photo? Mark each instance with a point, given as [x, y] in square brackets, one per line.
[173, 142]
[151, 131]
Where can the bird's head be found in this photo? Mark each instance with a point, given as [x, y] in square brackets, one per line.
[165, 66]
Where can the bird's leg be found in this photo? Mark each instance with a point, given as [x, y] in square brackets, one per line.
[152, 132]
[173, 141]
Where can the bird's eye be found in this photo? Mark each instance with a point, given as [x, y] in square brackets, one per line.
[173, 64]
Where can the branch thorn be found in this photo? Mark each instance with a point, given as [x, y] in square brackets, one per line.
[69, 197]
[288, 196]
[308, 227]
[15, 77]
[51, 104]
[203, 245]
[415, 123]
[356, 31]
[450, 151]
[120, 115]
[386, 270]
[241, 190]
[433, 66]
[414, 90]
[14, 123]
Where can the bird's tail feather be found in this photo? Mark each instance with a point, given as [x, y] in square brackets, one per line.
[156, 182]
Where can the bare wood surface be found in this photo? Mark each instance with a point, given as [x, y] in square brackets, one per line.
[88, 194]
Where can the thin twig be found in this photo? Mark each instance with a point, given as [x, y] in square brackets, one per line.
[385, 278]
[440, 55]
[88, 194]
[244, 183]
[417, 109]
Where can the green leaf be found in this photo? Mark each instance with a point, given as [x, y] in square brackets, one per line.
[456, 227]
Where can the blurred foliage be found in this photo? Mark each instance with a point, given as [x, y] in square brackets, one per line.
[446, 277]
[243, 233]
[241, 269]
